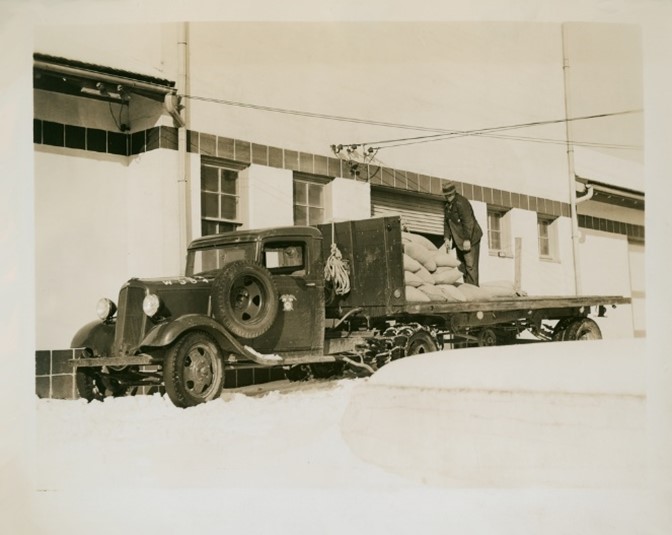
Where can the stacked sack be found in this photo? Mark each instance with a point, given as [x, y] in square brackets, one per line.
[431, 274]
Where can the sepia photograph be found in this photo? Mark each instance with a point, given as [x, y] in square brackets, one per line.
[337, 271]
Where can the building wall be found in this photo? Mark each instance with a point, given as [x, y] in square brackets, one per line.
[99, 220]
[445, 75]
[266, 197]
[605, 270]
[347, 199]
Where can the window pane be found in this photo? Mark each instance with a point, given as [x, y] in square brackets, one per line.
[209, 180]
[229, 179]
[316, 216]
[315, 194]
[495, 241]
[300, 215]
[544, 239]
[210, 204]
[208, 228]
[300, 193]
[228, 207]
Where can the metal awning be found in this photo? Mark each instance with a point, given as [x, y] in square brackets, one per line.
[73, 77]
[609, 194]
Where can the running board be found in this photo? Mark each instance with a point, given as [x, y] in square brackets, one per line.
[260, 358]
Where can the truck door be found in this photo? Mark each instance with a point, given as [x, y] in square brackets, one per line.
[296, 267]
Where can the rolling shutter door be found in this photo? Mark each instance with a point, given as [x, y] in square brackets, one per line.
[421, 214]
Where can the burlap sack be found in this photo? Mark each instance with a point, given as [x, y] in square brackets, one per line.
[425, 275]
[473, 293]
[444, 259]
[422, 255]
[499, 289]
[433, 292]
[446, 275]
[411, 264]
[452, 293]
[420, 240]
[415, 295]
[411, 279]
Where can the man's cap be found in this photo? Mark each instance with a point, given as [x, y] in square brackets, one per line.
[448, 188]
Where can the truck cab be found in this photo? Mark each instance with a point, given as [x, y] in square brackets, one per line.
[247, 297]
[292, 257]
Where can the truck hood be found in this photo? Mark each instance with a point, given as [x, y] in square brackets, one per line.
[159, 284]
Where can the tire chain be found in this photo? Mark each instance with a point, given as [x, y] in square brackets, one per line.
[391, 344]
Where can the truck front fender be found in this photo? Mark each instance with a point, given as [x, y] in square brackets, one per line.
[97, 335]
[166, 333]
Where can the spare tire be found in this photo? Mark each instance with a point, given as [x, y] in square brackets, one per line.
[244, 299]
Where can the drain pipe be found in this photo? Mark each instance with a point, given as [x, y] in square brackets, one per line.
[590, 191]
[570, 166]
[181, 121]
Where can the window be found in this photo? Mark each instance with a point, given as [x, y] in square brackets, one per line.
[495, 230]
[284, 257]
[545, 231]
[498, 235]
[308, 201]
[213, 258]
[219, 198]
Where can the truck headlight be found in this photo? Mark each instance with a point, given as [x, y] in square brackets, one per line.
[151, 304]
[105, 309]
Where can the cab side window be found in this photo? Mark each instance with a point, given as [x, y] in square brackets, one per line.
[285, 258]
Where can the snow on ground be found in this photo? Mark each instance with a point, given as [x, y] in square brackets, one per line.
[272, 436]
[271, 459]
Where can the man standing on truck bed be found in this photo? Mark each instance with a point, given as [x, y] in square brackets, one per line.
[462, 231]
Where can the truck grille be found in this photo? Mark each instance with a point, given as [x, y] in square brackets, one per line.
[131, 320]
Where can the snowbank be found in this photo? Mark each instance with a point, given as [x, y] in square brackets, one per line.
[568, 414]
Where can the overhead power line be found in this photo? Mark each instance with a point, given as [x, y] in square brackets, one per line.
[316, 115]
[487, 132]
[439, 134]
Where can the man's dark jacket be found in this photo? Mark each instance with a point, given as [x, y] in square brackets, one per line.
[460, 223]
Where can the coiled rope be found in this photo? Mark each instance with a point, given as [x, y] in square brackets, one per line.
[337, 269]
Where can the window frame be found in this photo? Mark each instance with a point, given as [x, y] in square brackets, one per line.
[309, 180]
[221, 224]
[502, 233]
[548, 222]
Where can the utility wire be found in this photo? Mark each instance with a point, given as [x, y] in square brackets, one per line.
[484, 131]
[439, 136]
[594, 144]
[314, 115]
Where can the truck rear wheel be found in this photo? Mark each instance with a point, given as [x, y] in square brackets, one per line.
[421, 342]
[244, 299]
[487, 337]
[583, 329]
[193, 371]
[560, 329]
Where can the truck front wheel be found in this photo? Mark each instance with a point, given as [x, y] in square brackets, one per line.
[193, 371]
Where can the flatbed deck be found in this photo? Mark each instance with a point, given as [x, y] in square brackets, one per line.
[516, 303]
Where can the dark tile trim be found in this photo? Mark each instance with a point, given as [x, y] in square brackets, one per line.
[166, 137]
[259, 154]
[609, 225]
[276, 157]
[55, 376]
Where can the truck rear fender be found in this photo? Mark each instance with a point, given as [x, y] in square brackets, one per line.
[165, 334]
[97, 336]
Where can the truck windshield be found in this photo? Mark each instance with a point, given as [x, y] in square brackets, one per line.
[203, 261]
